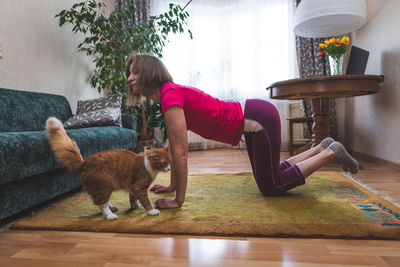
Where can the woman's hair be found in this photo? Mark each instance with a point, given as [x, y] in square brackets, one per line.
[151, 74]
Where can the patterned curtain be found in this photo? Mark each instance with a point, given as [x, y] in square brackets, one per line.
[142, 9]
[141, 15]
[311, 65]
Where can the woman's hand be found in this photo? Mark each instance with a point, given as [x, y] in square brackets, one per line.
[167, 203]
[161, 188]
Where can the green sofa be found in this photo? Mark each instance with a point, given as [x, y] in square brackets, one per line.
[29, 172]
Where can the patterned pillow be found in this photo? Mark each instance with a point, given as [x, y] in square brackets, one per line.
[112, 101]
[100, 117]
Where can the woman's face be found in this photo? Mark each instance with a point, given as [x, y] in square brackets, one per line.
[132, 79]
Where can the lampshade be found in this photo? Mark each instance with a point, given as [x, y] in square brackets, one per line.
[326, 18]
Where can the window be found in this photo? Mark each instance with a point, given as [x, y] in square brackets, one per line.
[239, 47]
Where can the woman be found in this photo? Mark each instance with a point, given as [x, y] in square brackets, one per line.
[187, 108]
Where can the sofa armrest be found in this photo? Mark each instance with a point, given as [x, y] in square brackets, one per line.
[129, 121]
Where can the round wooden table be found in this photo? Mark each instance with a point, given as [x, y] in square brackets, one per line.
[319, 90]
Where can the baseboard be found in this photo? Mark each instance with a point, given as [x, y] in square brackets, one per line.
[384, 162]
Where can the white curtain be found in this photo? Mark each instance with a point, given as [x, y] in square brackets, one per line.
[239, 47]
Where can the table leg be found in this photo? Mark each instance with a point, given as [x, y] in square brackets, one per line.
[320, 115]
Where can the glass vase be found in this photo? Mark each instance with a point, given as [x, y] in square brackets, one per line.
[336, 64]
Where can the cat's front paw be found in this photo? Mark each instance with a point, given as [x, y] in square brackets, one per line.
[111, 217]
[153, 212]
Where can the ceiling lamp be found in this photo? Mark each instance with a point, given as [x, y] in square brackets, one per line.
[327, 18]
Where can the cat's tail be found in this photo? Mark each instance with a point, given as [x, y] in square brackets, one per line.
[65, 149]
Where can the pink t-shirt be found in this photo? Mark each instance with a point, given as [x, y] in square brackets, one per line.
[205, 115]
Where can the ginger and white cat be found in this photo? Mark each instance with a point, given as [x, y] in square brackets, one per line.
[107, 171]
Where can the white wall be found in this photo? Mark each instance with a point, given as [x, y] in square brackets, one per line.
[40, 56]
[372, 123]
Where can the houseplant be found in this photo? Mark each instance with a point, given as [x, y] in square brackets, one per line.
[335, 49]
[109, 41]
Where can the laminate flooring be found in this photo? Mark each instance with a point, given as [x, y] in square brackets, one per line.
[55, 248]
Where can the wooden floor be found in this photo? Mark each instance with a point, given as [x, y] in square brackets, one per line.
[47, 248]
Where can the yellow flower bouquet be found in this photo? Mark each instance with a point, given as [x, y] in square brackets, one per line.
[335, 49]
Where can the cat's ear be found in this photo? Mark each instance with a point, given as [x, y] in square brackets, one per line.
[166, 147]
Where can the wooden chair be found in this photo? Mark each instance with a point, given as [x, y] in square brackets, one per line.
[293, 120]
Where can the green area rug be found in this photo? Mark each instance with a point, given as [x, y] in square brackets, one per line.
[329, 205]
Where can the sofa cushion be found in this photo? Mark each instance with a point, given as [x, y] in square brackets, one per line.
[111, 101]
[28, 111]
[129, 121]
[25, 154]
[100, 117]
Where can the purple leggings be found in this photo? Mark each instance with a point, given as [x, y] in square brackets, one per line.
[273, 178]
